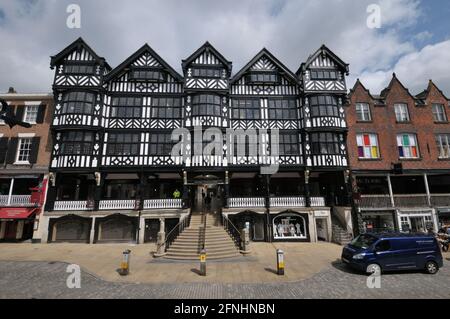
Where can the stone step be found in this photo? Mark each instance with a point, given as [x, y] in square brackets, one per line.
[207, 235]
[196, 258]
[208, 230]
[208, 240]
[196, 250]
[207, 246]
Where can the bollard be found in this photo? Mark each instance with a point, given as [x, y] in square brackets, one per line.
[280, 262]
[125, 264]
[203, 262]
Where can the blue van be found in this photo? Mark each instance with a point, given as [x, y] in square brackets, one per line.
[392, 252]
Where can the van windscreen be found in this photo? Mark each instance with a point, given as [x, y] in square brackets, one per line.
[363, 241]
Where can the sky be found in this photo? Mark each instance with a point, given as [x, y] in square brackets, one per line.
[413, 39]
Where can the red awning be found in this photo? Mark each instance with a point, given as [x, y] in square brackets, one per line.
[16, 212]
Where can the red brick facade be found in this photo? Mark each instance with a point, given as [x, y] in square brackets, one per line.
[384, 124]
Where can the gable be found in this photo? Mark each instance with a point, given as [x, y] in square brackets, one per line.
[78, 51]
[146, 60]
[263, 64]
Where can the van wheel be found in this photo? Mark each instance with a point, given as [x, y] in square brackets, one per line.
[431, 267]
[373, 269]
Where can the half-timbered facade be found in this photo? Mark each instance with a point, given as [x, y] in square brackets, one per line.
[137, 148]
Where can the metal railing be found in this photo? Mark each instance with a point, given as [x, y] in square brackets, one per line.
[287, 202]
[411, 200]
[440, 199]
[175, 232]
[232, 231]
[163, 203]
[375, 201]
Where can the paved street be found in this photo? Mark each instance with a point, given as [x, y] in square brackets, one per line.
[48, 280]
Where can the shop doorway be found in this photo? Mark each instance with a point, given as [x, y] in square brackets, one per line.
[10, 231]
[417, 224]
[255, 222]
[151, 230]
[322, 229]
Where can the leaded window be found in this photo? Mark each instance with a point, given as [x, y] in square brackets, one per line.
[166, 107]
[126, 107]
[246, 109]
[78, 69]
[324, 75]
[325, 143]
[151, 75]
[282, 109]
[263, 77]
[123, 144]
[324, 105]
[206, 105]
[207, 72]
[78, 103]
[77, 143]
[289, 144]
[161, 144]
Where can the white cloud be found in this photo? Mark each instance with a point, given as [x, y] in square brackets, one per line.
[415, 69]
[33, 30]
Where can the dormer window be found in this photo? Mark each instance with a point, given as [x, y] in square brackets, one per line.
[207, 72]
[263, 78]
[148, 75]
[79, 69]
[324, 75]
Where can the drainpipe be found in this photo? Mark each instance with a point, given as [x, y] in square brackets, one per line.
[267, 203]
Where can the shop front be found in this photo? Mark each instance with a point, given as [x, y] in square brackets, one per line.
[417, 221]
[16, 224]
[70, 229]
[444, 217]
[256, 223]
[290, 226]
[379, 221]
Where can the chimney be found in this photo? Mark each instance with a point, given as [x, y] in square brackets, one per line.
[11, 90]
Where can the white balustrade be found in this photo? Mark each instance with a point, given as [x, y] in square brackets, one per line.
[163, 203]
[287, 202]
[246, 202]
[16, 200]
[71, 205]
[317, 202]
[117, 204]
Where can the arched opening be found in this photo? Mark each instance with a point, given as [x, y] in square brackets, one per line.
[256, 223]
[290, 226]
[70, 228]
[116, 228]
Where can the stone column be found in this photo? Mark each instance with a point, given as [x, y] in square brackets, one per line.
[307, 190]
[141, 230]
[92, 233]
[391, 193]
[185, 195]
[19, 231]
[245, 237]
[2, 229]
[427, 189]
[160, 243]
[99, 181]
[227, 189]
[42, 233]
[11, 186]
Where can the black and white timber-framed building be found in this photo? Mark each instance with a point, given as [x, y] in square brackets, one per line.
[113, 178]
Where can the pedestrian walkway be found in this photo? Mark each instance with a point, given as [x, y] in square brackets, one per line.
[303, 260]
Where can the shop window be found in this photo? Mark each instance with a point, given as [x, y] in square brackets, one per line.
[289, 226]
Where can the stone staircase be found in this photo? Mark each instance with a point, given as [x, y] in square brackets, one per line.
[339, 234]
[218, 243]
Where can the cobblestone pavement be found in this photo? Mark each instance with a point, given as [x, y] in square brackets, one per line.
[48, 280]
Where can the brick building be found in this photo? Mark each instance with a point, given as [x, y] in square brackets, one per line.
[399, 153]
[24, 160]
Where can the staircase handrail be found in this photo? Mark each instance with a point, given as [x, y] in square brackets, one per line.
[174, 232]
[232, 231]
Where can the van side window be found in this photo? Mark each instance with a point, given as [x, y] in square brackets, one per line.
[383, 245]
